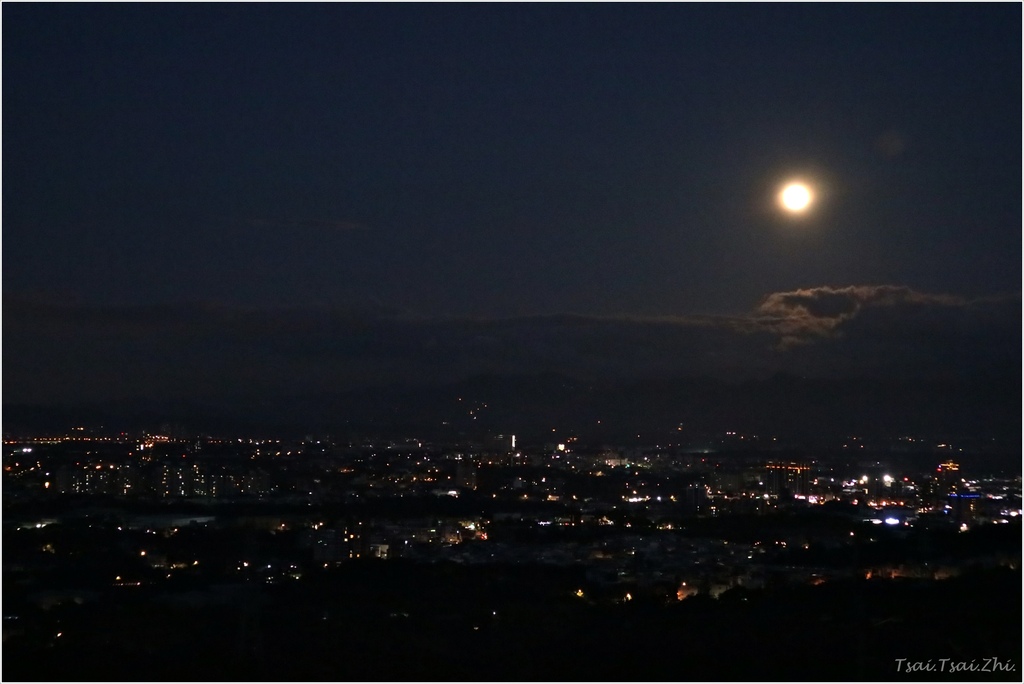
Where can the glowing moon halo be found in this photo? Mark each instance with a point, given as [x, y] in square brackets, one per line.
[795, 197]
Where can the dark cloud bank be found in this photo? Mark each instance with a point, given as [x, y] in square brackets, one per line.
[60, 353]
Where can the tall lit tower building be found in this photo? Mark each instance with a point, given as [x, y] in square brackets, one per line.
[947, 478]
[786, 479]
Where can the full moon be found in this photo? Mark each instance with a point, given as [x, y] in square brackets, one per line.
[795, 197]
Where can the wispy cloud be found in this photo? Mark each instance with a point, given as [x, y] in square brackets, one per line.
[54, 348]
[804, 315]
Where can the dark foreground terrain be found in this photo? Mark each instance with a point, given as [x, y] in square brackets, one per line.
[404, 621]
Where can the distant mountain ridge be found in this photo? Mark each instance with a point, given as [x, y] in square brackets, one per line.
[533, 405]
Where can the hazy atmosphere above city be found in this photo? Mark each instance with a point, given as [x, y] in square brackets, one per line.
[208, 201]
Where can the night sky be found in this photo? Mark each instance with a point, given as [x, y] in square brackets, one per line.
[202, 200]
